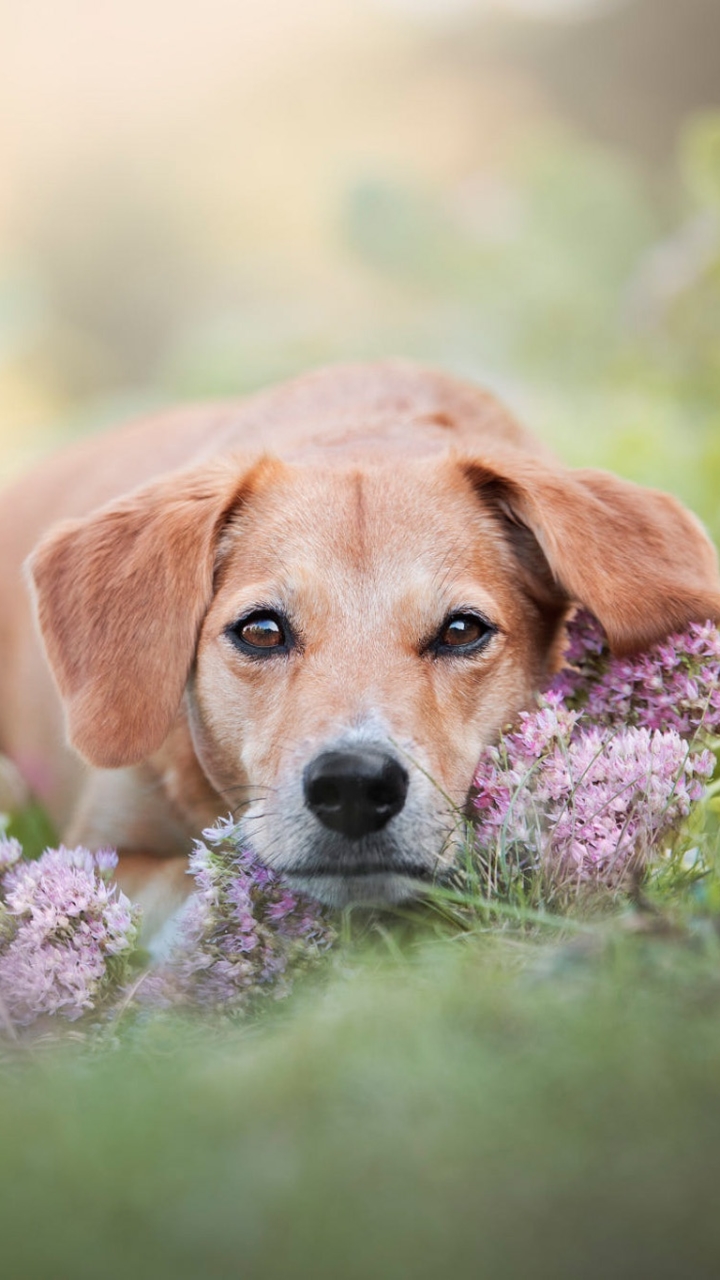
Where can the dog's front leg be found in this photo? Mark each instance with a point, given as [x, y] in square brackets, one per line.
[128, 810]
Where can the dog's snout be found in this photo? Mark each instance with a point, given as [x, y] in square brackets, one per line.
[355, 792]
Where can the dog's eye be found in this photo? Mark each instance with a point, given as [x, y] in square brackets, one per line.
[260, 633]
[463, 632]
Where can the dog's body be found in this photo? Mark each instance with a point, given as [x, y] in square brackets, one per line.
[313, 606]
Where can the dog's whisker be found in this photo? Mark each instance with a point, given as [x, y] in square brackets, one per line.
[255, 792]
[265, 814]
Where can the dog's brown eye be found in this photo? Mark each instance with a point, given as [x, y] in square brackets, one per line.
[262, 633]
[463, 632]
[259, 634]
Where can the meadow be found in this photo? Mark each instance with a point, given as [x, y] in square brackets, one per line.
[498, 1092]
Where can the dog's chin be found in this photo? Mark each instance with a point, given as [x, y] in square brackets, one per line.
[374, 889]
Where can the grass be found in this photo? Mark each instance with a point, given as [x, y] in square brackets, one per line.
[486, 1089]
[495, 1105]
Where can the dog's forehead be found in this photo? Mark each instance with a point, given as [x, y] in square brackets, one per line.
[410, 537]
[364, 517]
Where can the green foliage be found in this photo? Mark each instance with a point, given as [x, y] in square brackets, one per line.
[700, 160]
[33, 828]
[591, 292]
[531, 266]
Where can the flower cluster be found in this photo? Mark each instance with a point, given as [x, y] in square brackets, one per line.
[66, 933]
[241, 936]
[584, 789]
[674, 685]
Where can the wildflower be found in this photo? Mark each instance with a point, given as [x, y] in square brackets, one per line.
[241, 936]
[673, 685]
[66, 932]
[590, 784]
[10, 853]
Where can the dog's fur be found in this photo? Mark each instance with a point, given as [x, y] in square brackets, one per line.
[367, 503]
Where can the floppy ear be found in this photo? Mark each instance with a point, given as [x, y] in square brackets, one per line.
[635, 557]
[121, 595]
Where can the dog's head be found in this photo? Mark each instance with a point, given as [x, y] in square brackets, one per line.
[343, 641]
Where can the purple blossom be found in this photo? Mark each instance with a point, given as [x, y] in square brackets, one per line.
[242, 935]
[10, 853]
[66, 933]
[673, 685]
[588, 786]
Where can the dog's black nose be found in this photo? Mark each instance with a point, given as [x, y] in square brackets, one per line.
[355, 792]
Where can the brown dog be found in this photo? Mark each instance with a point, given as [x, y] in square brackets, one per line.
[313, 608]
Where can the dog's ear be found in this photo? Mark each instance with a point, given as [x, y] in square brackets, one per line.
[635, 557]
[121, 595]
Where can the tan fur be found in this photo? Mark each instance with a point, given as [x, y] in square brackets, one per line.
[366, 502]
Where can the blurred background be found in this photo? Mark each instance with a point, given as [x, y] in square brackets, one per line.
[197, 199]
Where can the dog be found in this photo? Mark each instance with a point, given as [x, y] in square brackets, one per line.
[311, 608]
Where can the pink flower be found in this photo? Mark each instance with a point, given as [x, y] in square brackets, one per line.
[66, 932]
[596, 780]
[242, 934]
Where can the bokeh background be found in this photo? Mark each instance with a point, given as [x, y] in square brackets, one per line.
[199, 198]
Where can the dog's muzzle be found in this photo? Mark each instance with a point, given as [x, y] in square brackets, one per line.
[352, 826]
[355, 792]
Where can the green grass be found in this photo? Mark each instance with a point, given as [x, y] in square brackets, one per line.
[491, 1105]
[479, 1089]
